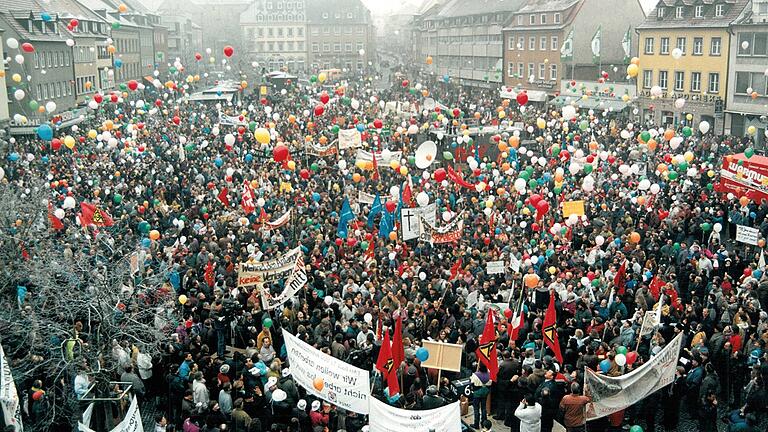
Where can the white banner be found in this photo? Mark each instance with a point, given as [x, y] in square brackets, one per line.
[257, 273]
[9, 397]
[494, 267]
[327, 377]
[366, 198]
[230, 120]
[385, 418]
[321, 150]
[277, 223]
[295, 282]
[747, 235]
[411, 219]
[350, 138]
[612, 394]
[382, 158]
[131, 423]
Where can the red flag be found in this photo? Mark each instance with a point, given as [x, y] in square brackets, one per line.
[92, 215]
[386, 365]
[620, 280]
[378, 326]
[263, 215]
[486, 352]
[209, 278]
[248, 201]
[655, 287]
[375, 175]
[549, 329]
[55, 222]
[407, 195]
[515, 325]
[398, 352]
[455, 269]
[223, 197]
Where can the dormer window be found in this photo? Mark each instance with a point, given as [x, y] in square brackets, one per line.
[660, 12]
[698, 11]
[679, 12]
[719, 10]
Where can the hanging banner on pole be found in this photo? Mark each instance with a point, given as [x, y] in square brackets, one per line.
[386, 418]
[327, 377]
[612, 394]
[295, 282]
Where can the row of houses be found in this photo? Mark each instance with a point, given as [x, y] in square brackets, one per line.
[709, 53]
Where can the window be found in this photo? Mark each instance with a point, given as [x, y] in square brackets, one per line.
[557, 18]
[698, 46]
[719, 10]
[542, 70]
[519, 20]
[511, 43]
[663, 79]
[660, 12]
[555, 43]
[649, 45]
[531, 70]
[743, 82]
[745, 43]
[714, 48]
[39, 94]
[664, 46]
[521, 43]
[647, 79]
[760, 45]
[37, 61]
[679, 12]
[531, 43]
[714, 83]
[532, 19]
[681, 44]
[326, 47]
[763, 8]
[337, 47]
[348, 47]
[315, 47]
[543, 43]
[520, 70]
[553, 72]
[679, 81]
[510, 69]
[698, 11]
[543, 18]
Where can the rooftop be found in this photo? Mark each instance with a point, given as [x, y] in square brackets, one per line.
[733, 9]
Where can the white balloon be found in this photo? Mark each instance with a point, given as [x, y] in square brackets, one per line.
[599, 240]
[569, 112]
[229, 139]
[50, 106]
[704, 127]
[70, 42]
[69, 203]
[745, 45]
[342, 164]
[12, 43]
[520, 185]
[718, 227]
[19, 94]
[19, 59]
[679, 103]
[677, 53]
[620, 359]
[675, 142]
[422, 199]
[656, 91]
[655, 188]
[394, 192]
[328, 300]
[644, 184]
[368, 317]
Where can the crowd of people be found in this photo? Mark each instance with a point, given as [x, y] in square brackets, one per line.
[651, 214]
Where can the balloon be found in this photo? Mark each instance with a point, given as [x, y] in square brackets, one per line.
[621, 350]
[183, 299]
[422, 354]
[634, 237]
[229, 139]
[267, 323]
[262, 135]
[45, 132]
[631, 357]
[632, 70]
[636, 428]
[154, 234]
[328, 300]
[621, 359]
[228, 51]
[27, 47]
[599, 240]
[704, 127]
[368, 317]
[718, 227]
[12, 43]
[280, 153]
[69, 142]
[605, 365]
[522, 98]
[318, 384]
[50, 106]
[422, 199]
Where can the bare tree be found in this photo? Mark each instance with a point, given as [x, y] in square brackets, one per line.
[65, 298]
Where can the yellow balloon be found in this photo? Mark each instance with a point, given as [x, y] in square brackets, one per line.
[688, 156]
[16, 78]
[625, 98]
[689, 117]
[92, 134]
[108, 125]
[183, 299]
[540, 123]
[395, 165]
[322, 77]
[291, 165]
[69, 142]
[632, 70]
[751, 130]
[403, 170]
[243, 84]
[262, 135]
[502, 114]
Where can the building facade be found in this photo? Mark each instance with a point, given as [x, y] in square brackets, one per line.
[49, 68]
[747, 97]
[4, 116]
[684, 47]
[547, 42]
[341, 35]
[464, 40]
[274, 33]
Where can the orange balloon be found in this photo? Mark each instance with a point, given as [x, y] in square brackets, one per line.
[154, 234]
[514, 141]
[669, 134]
[593, 145]
[634, 237]
[393, 235]
[744, 201]
[558, 177]
[356, 177]
[662, 168]
[652, 144]
[318, 384]
[503, 146]
[641, 200]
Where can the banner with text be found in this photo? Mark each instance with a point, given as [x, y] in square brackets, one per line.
[411, 219]
[612, 394]
[277, 223]
[295, 282]
[256, 273]
[131, 423]
[9, 397]
[350, 138]
[386, 418]
[320, 150]
[745, 234]
[382, 158]
[327, 377]
[445, 234]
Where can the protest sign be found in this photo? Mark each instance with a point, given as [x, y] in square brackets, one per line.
[745, 234]
[386, 418]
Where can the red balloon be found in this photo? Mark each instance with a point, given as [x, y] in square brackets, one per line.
[280, 153]
[508, 313]
[405, 83]
[81, 139]
[456, 112]
[631, 357]
[747, 272]
[522, 98]
[378, 124]
[534, 200]
[228, 51]
[98, 98]
[56, 144]
[339, 242]
[440, 175]
[74, 22]
[264, 101]
[542, 207]
[304, 173]
[176, 120]
[535, 227]
[113, 98]
[391, 206]
[590, 158]
[133, 85]
[198, 56]
[324, 98]
[27, 47]
[319, 109]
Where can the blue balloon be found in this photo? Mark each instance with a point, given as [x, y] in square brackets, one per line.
[605, 365]
[757, 274]
[422, 354]
[146, 242]
[360, 127]
[218, 162]
[46, 16]
[446, 78]
[752, 215]
[248, 157]
[618, 242]
[44, 159]
[13, 157]
[118, 63]
[454, 145]
[315, 197]
[45, 132]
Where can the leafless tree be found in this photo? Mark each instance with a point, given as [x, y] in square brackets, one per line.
[81, 297]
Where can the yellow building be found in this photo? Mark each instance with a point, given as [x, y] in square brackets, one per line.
[683, 50]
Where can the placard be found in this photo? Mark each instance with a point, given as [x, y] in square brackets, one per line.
[745, 234]
[573, 207]
[494, 267]
[443, 356]
[386, 418]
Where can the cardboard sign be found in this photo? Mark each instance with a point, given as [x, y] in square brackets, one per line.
[573, 207]
[494, 267]
[443, 356]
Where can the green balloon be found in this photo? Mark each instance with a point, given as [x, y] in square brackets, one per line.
[555, 150]
[309, 222]
[117, 198]
[595, 283]
[412, 160]
[676, 247]
[267, 322]
[583, 125]
[447, 155]
[144, 227]
[687, 131]
[749, 152]
[645, 136]
[335, 129]
[529, 170]
[115, 25]
[33, 105]
[314, 166]
[533, 242]
[252, 126]
[672, 175]
[557, 190]
[123, 87]
[364, 245]
[621, 350]
[204, 209]
[532, 184]
[519, 204]
[346, 101]
[710, 186]
[525, 175]
[706, 226]
[588, 168]
[683, 166]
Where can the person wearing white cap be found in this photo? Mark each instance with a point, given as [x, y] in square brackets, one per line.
[300, 412]
[287, 384]
[318, 418]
